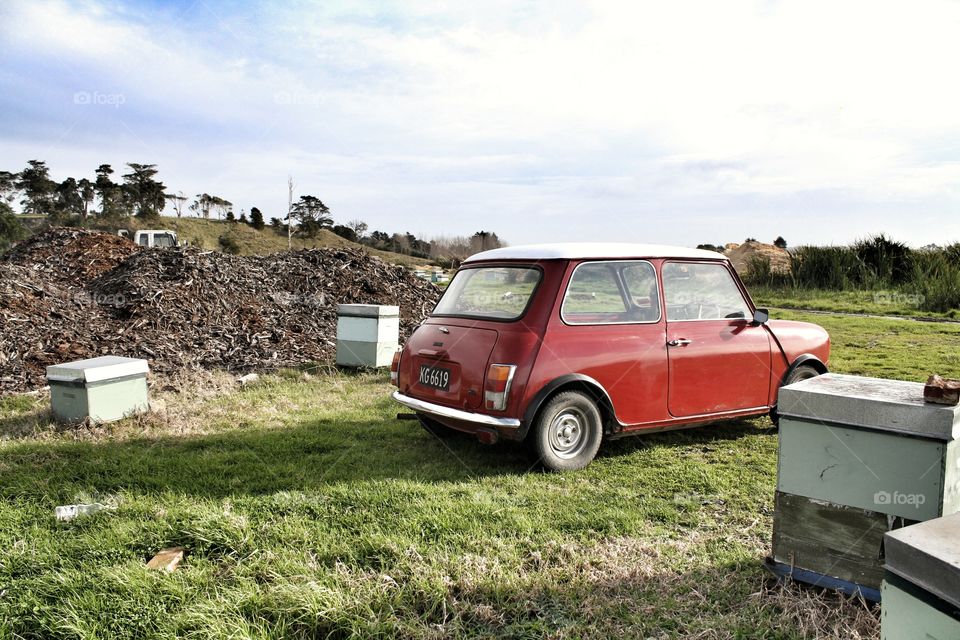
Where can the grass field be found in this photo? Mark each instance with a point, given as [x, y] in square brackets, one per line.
[885, 303]
[308, 510]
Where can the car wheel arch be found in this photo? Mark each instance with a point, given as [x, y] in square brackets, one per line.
[806, 359]
[572, 382]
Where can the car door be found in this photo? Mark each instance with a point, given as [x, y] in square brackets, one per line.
[718, 360]
[610, 329]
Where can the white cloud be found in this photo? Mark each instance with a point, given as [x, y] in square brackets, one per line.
[712, 108]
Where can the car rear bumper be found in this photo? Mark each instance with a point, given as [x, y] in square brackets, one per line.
[450, 413]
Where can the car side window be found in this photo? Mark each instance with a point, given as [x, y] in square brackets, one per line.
[701, 291]
[640, 279]
[611, 293]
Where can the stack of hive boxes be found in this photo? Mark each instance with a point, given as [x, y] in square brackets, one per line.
[858, 457]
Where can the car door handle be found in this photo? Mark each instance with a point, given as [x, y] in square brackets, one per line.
[678, 342]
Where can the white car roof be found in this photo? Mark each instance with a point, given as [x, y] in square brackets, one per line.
[583, 250]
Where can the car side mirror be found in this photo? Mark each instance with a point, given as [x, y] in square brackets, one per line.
[760, 316]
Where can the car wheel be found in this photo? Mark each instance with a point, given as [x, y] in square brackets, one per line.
[434, 428]
[567, 432]
[803, 372]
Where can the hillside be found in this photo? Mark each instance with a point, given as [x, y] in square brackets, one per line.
[205, 234]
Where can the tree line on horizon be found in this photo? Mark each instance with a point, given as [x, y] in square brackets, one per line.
[140, 194]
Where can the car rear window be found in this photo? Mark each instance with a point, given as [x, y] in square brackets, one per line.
[497, 293]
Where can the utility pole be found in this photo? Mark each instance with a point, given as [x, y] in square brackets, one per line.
[289, 213]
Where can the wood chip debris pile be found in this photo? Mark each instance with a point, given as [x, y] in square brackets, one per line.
[67, 294]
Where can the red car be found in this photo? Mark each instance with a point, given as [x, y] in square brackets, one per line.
[565, 344]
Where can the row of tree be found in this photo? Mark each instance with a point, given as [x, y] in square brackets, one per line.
[140, 193]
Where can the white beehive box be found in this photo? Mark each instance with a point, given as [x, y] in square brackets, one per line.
[102, 389]
[367, 334]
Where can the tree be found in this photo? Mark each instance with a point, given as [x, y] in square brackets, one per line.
[87, 194]
[380, 240]
[359, 228]
[780, 242]
[224, 208]
[243, 218]
[37, 187]
[112, 201]
[344, 231]
[399, 243]
[312, 215]
[68, 200]
[176, 200]
[256, 218]
[11, 229]
[145, 192]
[484, 240]
[230, 217]
[201, 206]
[8, 186]
[719, 248]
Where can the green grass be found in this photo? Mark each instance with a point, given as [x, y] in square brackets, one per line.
[887, 303]
[308, 510]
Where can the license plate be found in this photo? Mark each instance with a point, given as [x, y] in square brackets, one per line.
[435, 377]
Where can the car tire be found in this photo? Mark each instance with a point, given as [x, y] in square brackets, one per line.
[434, 428]
[803, 372]
[567, 432]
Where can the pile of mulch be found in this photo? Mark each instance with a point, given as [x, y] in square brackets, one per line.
[742, 256]
[63, 298]
[73, 255]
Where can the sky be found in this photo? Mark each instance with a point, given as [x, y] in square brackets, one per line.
[668, 122]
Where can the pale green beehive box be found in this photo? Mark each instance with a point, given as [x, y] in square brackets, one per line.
[858, 457]
[921, 589]
[869, 443]
[103, 389]
[367, 334]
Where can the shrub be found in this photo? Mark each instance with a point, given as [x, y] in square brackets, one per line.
[758, 271]
[890, 263]
[826, 268]
[11, 229]
[229, 244]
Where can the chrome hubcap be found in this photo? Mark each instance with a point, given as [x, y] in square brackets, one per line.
[567, 433]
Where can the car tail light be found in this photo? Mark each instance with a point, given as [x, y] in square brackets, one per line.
[497, 389]
[395, 369]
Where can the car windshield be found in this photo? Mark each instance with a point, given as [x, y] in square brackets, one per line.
[499, 293]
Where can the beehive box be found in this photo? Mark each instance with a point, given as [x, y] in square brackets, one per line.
[367, 334]
[858, 457]
[102, 389]
[921, 589]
